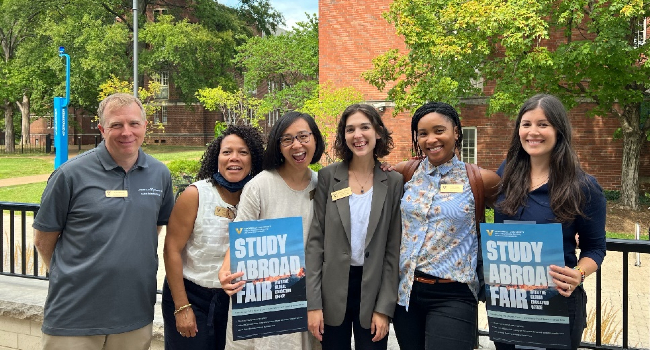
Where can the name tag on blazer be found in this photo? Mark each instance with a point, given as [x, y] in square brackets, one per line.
[346, 192]
[451, 188]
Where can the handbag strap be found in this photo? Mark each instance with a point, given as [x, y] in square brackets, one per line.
[409, 168]
[476, 182]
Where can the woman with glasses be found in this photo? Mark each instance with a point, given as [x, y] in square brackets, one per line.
[195, 307]
[353, 248]
[284, 189]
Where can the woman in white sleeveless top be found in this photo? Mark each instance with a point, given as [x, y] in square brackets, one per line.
[284, 189]
[195, 308]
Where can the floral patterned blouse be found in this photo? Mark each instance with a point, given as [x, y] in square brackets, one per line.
[438, 228]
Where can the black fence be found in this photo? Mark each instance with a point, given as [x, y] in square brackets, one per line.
[44, 143]
[38, 143]
[23, 261]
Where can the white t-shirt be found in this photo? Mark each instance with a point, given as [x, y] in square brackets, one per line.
[360, 211]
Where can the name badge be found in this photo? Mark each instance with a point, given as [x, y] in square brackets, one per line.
[451, 188]
[346, 192]
[224, 213]
[117, 193]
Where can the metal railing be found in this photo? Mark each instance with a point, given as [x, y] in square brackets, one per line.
[10, 251]
[22, 253]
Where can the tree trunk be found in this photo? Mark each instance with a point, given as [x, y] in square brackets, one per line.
[9, 128]
[24, 111]
[633, 138]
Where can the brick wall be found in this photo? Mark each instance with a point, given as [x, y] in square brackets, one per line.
[353, 32]
[186, 125]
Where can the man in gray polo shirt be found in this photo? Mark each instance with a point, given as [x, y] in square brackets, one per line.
[97, 231]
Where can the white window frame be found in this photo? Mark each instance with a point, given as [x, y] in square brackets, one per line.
[471, 148]
[160, 116]
[640, 36]
[273, 117]
[163, 79]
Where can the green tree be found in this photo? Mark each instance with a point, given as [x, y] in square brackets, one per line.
[236, 107]
[326, 105]
[287, 61]
[574, 49]
[18, 19]
[195, 56]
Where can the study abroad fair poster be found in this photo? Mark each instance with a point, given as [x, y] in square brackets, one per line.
[272, 256]
[523, 306]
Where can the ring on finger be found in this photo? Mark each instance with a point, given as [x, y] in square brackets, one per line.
[569, 287]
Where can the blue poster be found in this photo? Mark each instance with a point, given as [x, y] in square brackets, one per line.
[271, 254]
[523, 305]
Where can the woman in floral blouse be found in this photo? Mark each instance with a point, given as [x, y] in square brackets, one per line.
[438, 288]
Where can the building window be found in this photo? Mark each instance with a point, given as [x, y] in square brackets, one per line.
[640, 32]
[163, 79]
[157, 12]
[468, 151]
[273, 117]
[93, 121]
[160, 116]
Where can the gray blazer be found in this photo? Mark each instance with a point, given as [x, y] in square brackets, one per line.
[328, 250]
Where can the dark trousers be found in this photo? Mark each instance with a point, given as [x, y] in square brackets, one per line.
[577, 304]
[441, 316]
[210, 306]
[338, 337]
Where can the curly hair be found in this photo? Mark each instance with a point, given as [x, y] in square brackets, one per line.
[210, 159]
[384, 143]
[566, 177]
[273, 157]
[435, 107]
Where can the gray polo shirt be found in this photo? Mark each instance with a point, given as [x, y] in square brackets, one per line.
[103, 271]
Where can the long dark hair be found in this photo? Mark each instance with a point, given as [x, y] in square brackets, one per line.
[210, 159]
[566, 177]
[273, 157]
[435, 107]
[384, 144]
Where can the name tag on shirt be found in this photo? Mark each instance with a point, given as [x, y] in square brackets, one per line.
[346, 192]
[117, 193]
[224, 213]
[451, 188]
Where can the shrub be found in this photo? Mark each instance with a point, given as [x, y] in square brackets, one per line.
[316, 167]
[183, 173]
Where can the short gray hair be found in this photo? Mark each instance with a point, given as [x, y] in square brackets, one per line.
[118, 100]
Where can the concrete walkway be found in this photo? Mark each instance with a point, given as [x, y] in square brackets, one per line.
[23, 180]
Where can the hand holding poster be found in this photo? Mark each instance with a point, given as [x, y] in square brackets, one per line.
[271, 255]
[523, 305]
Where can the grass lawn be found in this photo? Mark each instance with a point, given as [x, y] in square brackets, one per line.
[166, 154]
[17, 167]
[30, 193]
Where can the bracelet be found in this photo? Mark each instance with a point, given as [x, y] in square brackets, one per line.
[582, 274]
[181, 308]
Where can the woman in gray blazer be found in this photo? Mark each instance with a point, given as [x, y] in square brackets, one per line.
[352, 251]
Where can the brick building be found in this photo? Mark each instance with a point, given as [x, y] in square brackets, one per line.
[183, 124]
[353, 32]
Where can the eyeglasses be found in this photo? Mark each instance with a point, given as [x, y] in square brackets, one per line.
[302, 137]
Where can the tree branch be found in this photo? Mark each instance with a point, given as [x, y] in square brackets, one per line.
[122, 18]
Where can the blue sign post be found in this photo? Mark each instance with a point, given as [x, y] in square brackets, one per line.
[61, 117]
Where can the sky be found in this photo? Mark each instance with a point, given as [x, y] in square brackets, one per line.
[293, 10]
